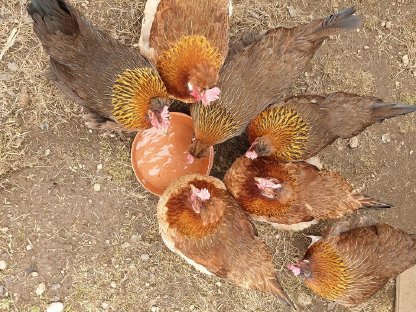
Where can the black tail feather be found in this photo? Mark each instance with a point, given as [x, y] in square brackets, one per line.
[371, 203]
[56, 15]
[343, 19]
[382, 111]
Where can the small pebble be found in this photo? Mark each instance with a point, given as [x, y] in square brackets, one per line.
[135, 238]
[353, 143]
[385, 138]
[304, 299]
[291, 10]
[113, 284]
[97, 187]
[145, 257]
[29, 247]
[332, 306]
[34, 274]
[99, 167]
[388, 25]
[405, 60]
[55, 286]
[55, 298]
[12, 67]
[125, 245]
[2, 291]
[366, 47]
[47, 152]
[3, 265]
[411, 152]
[105, 305]
[40, 289]
[154, 309]
[191, 307]
[55, 307]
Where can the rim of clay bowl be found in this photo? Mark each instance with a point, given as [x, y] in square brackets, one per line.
[150, 188]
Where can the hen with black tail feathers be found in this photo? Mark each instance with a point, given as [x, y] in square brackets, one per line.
[96, 71]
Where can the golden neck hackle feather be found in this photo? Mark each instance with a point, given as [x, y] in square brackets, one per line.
[181, 216]
[175, 64]
[330, 278]
[132, 93]
[213, 124]
[287, 130]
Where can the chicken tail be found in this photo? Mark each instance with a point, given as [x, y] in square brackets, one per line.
[52, 17]
[343, 19]
[277, 291]
[317, 31]
[94, 120]
[245, 40]
[381, 111]
[348, 223]
[371, 203]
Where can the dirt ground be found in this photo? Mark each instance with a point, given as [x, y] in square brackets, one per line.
[98, 250]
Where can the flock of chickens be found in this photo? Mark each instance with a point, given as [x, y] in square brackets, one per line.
[185, 55]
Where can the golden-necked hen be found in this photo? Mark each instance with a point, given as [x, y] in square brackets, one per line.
[292, 196]
[355, 259]
[200, 221]
[117, 85]
[301, 126]
[256, 75]
[187, 41]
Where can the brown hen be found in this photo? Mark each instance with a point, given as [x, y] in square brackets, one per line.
[301, 126]
[292, 196]
[254, 77]
[355, 259]
[200, 221]
[188, 42]
[117, 85]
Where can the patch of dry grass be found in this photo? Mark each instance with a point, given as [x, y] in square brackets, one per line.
[96, 250]
[119, 168]
[408, 98]
[334, 77]
[408, 38]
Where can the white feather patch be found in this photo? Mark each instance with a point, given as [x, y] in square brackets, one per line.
[286, 227]
[149, 14]
[294, 227]
[230, 8]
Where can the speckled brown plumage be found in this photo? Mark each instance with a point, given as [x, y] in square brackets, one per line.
[349, 265]
[84, 61]
[227, 247]
[179, 36]
[307, 193]
[254, 77]
[299, 127]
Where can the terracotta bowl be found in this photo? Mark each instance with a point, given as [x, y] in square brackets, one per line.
[160, 159]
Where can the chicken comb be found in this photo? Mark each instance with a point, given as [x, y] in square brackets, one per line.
[132, 92]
